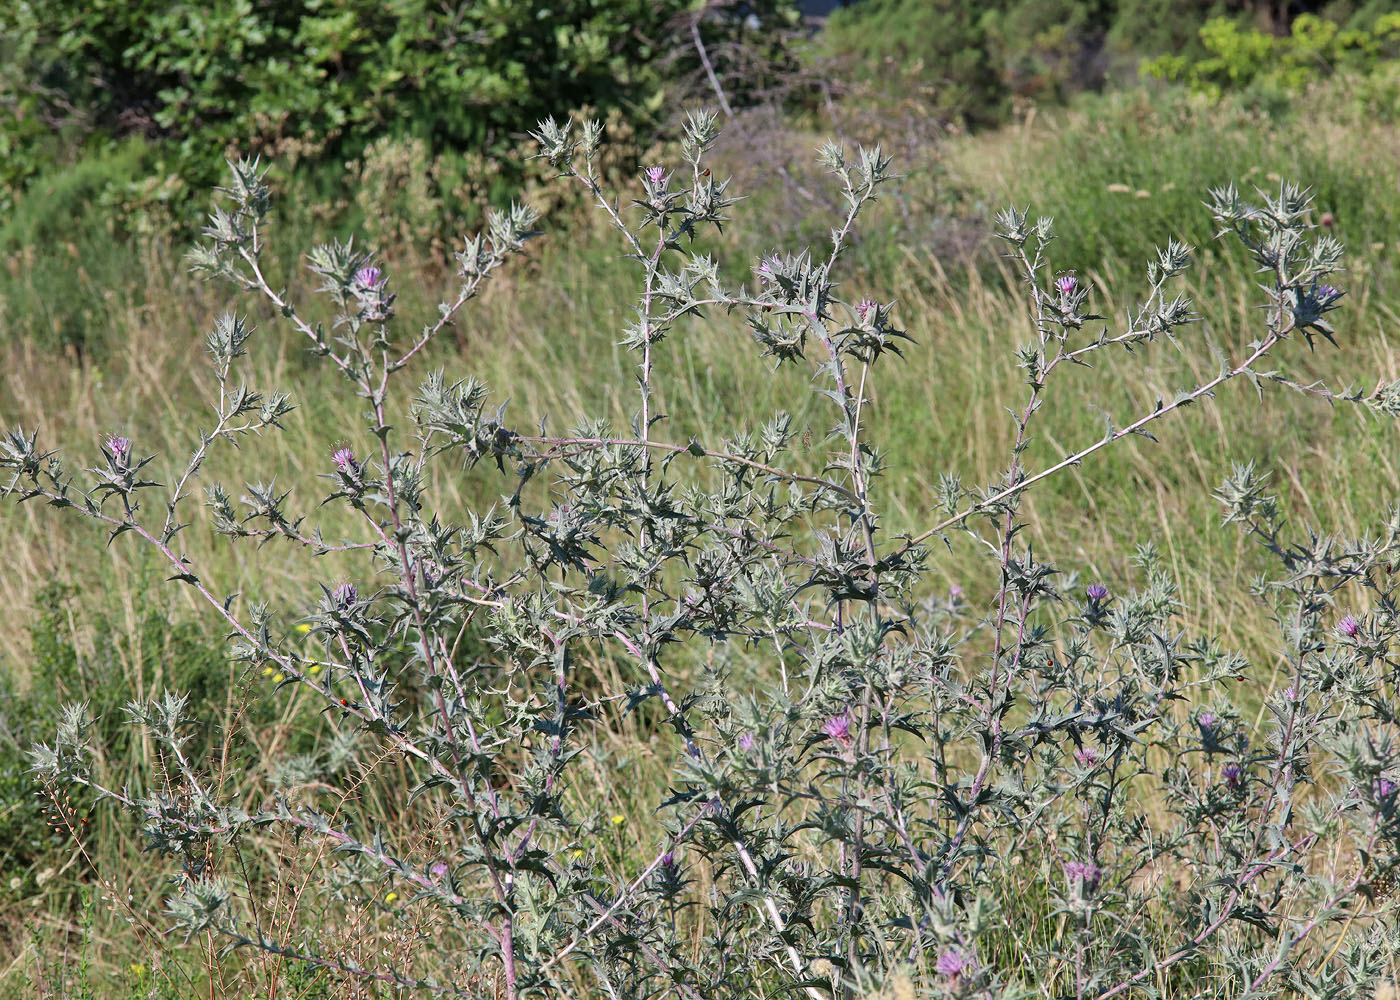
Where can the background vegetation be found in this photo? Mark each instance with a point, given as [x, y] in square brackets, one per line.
[1033, 103]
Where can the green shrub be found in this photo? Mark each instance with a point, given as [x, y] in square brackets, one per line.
[974, 59]
[942, 46]
[317, 81]
[1269, 66]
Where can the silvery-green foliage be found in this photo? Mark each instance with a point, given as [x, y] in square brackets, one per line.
[1056, 794]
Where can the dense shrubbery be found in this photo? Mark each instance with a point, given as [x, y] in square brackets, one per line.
[974, 61]
[105, 215]
[313, 81]
[873, 783]
[114, 117]
[1279, 66]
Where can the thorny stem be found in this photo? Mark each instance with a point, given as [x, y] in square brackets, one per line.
[590, 444]
[410, 581]
[1227, 912]
[1162, 410]
[376, 396]
[993, 713]
[400, 741]
[652, 261]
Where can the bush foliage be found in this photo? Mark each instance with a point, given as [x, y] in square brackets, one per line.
[974, 61]
[1245, 60]
[317, 80]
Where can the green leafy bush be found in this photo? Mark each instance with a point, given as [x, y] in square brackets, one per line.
[307, 80]
[1250, 60]
[972, 60]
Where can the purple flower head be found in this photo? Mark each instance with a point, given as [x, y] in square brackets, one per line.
[1096, 592]
[369, 277]
[955, 591]
[344, 460]
[1207, 720]
[1086, 756]
[1327, 293]
[838, 727]
[952, 963]
[866, 309]
[1084, 873]
[1231, 774]
[746, 741]
[1067, 284]
[345, 595]
[119, 446]
[1384, 788]
[668, 860]
[1349, 626]
[439, 869]
[1290, 693]
[657, 175]
[767, 269]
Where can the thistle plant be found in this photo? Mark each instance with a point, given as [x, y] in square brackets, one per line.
[871, 785]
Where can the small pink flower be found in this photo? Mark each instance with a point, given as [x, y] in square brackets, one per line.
[1290, 693]
[1349, 626]
[865, 309]
[1096, 592]
[119, 446]
[838, 727]
[1207, 720]
[746, 741]
[439, 869]
[952, 963]
[345, 595]
[344, 460]
[1067, 284]
[1084, 873]
[657, 175]
[1384, 788]
[1086, 756]
[1231, 773]
[369, 277]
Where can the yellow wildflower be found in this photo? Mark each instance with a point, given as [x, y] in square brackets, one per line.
[278, 677]
[391, 897]
[267, 671]
[619, 819]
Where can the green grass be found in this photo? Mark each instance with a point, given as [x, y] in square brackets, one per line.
[545, 337]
